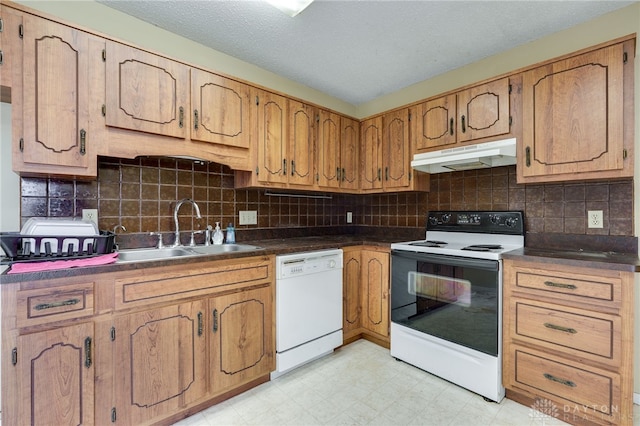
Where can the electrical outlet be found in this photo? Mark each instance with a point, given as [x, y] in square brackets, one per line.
[595, 218]
[247, 217]
[349, 217]
[90, 214]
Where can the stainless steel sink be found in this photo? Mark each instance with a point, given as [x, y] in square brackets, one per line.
[224, 248]
[149, 254]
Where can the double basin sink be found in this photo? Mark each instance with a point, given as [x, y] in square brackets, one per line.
[149, 254]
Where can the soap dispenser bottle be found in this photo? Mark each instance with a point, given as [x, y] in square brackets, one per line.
[231, 234]
[218, 236]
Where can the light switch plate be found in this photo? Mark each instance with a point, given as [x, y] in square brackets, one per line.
[90, 214]
[247, 217]
[349, 217]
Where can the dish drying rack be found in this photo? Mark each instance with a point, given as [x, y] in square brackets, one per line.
[37, 248]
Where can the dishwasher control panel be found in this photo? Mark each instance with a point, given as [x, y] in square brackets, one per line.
[294, 265]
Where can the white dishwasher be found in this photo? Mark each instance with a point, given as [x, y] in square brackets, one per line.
[308, 307]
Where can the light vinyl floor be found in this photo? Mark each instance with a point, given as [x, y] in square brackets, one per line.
[361, 384]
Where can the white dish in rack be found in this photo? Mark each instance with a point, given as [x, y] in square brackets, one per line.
[56, 227]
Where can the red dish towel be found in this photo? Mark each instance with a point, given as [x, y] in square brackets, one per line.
[21, 268]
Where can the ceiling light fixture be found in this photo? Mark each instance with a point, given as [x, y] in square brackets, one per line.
[290, 7]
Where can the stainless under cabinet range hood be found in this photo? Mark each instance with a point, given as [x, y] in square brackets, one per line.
[469, 157]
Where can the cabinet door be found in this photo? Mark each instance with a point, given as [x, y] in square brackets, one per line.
[302, 130]
[220, 110]
[160, 356]
[329, 168]
[242, 339]
[573, 115]
[371, 154]
[483, 111]
[272, 137]
[56, 376]
[352, 295]
[396, 150]
[349, 155]
[56, 99]
[375, 296]
[434, 124]
[11, 46]
[146, 92]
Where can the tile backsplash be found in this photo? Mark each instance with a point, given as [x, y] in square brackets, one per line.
[140, 194]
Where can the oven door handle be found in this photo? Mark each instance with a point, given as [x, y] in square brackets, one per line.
[489, 265]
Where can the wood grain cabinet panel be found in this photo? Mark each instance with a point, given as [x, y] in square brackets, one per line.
[371, 154]
[349, 153]
[352, 293]
[375, 292]
[301, 142]
[146, 92]
[574, 117]
[160, 357]
[221, 110]
[242, 339]
[568, 340]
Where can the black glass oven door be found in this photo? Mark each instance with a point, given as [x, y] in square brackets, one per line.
[453, 298]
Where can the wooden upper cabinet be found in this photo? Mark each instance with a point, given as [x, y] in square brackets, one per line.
[328, 149]
[349, 153]
[371, 153]
[220, 109]
[271, 140]
[479, 112]
[301, 142]
[59, 93]
[574, 117]
[146, 92]
[11, 46]
[396, 149]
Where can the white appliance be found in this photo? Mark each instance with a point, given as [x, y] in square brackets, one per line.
[308, 307]
[467, 157]
[446, 297]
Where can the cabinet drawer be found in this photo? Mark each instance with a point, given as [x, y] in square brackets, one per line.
[42, 306]
[566, 328]
[584, 288]
[587, 393]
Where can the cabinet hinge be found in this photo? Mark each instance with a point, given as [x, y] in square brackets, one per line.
[21, 31]
[104, 110]
[21, 145]
[625, 57]
[104, 55]
[1, 25]
[113, 414]
[510, 88]
[510, 121]
[112, 334]
[1, 57]
[409, 116]
[14, 356]
[624, 154]
[257, 170]
[257, 100]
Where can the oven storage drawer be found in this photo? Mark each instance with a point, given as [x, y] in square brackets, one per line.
[578, 392]
[569, 286]
[573, 331]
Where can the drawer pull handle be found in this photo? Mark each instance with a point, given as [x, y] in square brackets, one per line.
[559, 380]
[42, 306]
[560, 285]
[87, 352]
[215, 320]
[199, 323]
[560, 328]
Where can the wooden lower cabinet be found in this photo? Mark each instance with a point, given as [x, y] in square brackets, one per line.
[154, 345]
[160, 359]
[365, 277]
[55, 378]
[568, 341]
[241, 338]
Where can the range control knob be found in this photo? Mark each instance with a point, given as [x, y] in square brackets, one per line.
[433, 220]
[446, 218]
[495, 219]
[510, 222]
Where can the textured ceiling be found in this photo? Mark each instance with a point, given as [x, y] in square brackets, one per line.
[359, 50]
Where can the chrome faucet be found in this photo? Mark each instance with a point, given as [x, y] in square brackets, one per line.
[176, 243]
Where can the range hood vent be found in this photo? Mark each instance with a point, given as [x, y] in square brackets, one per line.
[470, 157]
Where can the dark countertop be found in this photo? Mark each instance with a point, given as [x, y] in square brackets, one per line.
[580, 258]
[271, 247]
[280, 246]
